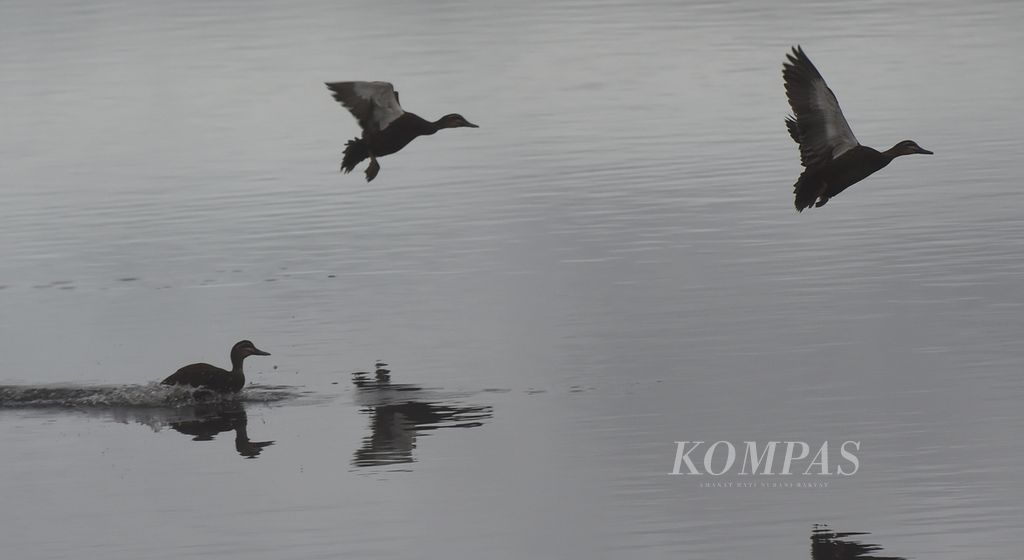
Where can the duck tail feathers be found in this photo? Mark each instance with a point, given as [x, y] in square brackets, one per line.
[806, 190]
[355, 151]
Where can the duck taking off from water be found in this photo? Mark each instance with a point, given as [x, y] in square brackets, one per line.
[206, 376]
[832, 156]
[386, 127]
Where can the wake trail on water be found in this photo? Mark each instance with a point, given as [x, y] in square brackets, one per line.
[148, 395]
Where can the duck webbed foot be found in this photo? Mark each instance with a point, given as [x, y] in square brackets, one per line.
[372, 169]
[821, 202]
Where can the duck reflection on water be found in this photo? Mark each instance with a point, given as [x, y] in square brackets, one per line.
[827, 544]
[212, 419]
[199, 413]
[204, 421]
[400, 413]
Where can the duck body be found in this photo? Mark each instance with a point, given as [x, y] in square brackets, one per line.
[832, 157]
[207, 376]
[387, 128]
[820, 183]
[399, 133]
[213, 378]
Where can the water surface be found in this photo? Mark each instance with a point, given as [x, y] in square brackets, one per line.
[610, 264]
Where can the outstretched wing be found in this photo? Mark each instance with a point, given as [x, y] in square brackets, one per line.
[373, 104]
[824, 133]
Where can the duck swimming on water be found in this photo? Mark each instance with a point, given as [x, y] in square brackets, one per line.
[210, 377]
[386, 127]
[832, 156]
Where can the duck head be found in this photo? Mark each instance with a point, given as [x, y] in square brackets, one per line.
[454, 120]
[243, 349]
[907, 147]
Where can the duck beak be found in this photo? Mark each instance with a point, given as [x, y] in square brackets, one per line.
[257, 352]
[921, 150]
[469, 124]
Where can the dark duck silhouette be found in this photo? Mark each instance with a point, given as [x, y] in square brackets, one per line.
[211, 377]
[829, 151]
[386, 127]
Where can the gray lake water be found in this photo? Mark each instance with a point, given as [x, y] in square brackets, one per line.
[611, 263]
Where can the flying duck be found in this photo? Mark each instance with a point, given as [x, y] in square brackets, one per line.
[832, 156]
[386, 127]
[210, 377]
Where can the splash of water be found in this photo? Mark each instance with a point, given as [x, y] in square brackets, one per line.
[148, 395]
